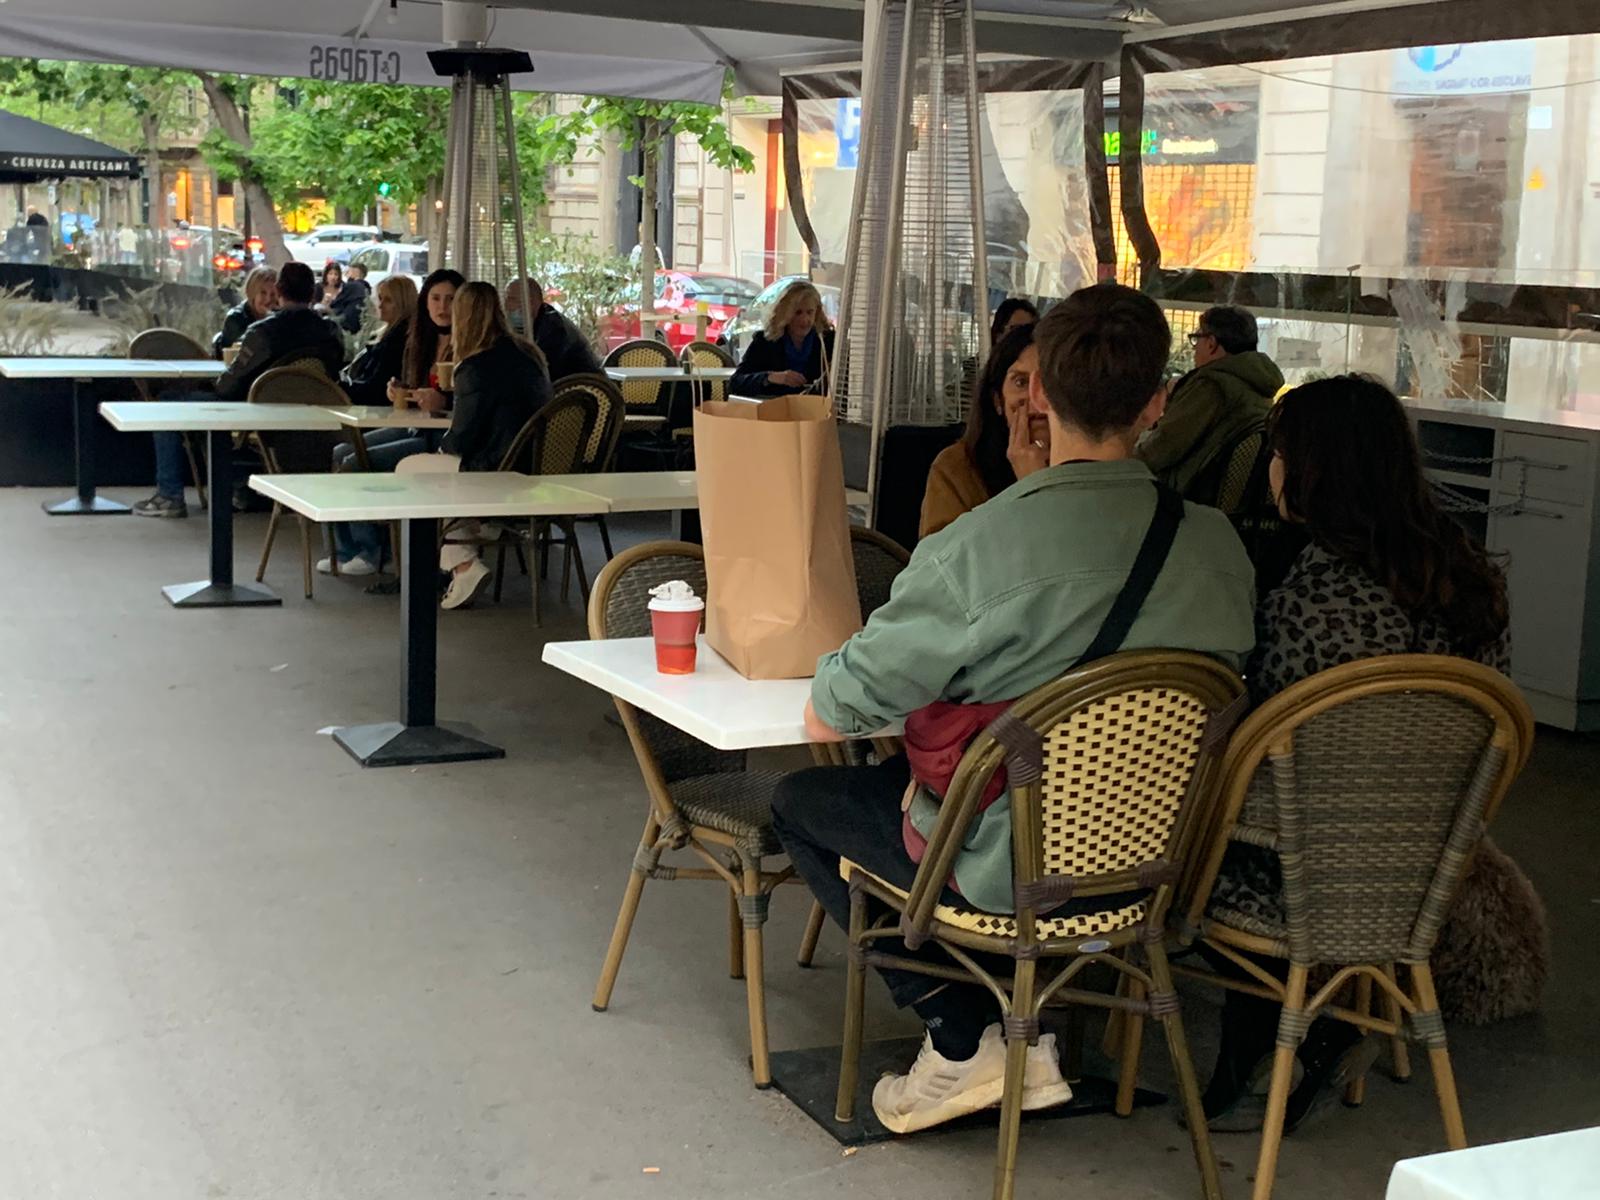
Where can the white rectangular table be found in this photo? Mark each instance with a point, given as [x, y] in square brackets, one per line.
[666, 374]
[716, 704]
[219, 421]
[419, 503]
[80, 371]
[636, 491]
[362, 417]
[1560, 1166]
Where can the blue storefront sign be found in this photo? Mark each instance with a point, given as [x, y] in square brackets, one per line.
[847, 130]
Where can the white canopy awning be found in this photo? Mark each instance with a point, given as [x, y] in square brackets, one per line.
[660, 49]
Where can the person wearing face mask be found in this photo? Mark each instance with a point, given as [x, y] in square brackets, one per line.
[1004, 441]
[794, 353]
[260, 298]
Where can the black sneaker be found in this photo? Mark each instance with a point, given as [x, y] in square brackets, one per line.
[161, 506]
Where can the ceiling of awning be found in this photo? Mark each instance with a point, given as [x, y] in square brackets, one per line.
[661, 49]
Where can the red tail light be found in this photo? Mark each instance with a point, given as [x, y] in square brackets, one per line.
[254, 245]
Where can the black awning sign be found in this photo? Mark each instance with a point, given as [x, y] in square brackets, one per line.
[46, 165]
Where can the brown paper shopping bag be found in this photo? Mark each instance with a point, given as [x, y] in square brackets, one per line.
[779, 570]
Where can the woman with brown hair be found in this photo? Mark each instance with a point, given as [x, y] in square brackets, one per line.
[794, 353]
[500, 381]
[1003, 441]
[1385, 571]
[428, 344]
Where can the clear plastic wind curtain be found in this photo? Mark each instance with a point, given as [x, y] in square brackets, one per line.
[1425, 212]
[1037, 201]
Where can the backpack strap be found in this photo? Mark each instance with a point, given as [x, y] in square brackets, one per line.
[1147, 566]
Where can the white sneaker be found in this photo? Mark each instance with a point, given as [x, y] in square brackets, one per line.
[1043, 1085]
[937, 1090]
[464, 585]
[356, 566]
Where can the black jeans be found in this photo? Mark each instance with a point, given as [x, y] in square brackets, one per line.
[827, 813]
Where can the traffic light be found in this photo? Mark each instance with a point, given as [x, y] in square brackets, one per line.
[384, 189]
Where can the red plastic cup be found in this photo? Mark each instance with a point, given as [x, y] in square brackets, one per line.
[675, 624]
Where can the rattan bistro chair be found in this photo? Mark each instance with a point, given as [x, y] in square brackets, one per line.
[1112, 771]
[1240, 469]
[303, 382]
[552, 441]
[600, 452]
[170, 343]
[1374, 783]
[644, 397]
[701, 800]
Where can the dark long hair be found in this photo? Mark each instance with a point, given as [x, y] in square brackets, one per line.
[987, 434]
[422, 344]
[1007, 309]
[1353, 475]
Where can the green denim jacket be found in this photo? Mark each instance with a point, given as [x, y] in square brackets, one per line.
[1010, 596]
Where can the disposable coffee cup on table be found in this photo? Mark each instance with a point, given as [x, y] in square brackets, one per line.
[229, 354]
[675, 614]
[446, 374]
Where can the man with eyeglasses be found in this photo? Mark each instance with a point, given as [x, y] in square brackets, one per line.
[1214, 407]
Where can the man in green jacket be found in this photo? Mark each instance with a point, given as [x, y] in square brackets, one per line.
[1004, 600]
[1212, 408]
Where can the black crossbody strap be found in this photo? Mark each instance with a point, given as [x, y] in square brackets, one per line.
[1147, 566]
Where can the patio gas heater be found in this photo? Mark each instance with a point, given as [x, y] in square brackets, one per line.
[914, 313]
[483, 232]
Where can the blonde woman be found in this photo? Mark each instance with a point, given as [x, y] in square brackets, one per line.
[793, 353]
[500, 381]
[260, 298]
[367, 378]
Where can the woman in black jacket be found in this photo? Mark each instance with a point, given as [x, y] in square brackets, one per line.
[500, 381]
[795, 351]
[367, 378]
[260, 298]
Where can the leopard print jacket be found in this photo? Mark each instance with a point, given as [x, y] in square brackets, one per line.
[1325, 613]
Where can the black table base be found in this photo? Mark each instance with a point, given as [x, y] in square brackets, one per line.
[220, 591]
[205, 594]
[810, 1078]
[418, 737]
[85, 503]
[392, 744]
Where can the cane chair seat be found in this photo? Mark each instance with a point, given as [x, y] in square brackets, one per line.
[738, 804]
[999, 925]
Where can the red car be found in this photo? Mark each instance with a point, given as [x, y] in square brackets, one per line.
[679, 295]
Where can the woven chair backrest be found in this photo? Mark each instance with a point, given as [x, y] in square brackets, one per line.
[878, 560]
[1240, 467]
[1111, 769]
[610, 410]
[165, 343]
[297, 384]
[553, 440]
[619, 608]
[642, 394]
[706, 354]
[1383, 775]
[709, 354]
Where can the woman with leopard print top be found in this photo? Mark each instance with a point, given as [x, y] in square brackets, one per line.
[1385, 572]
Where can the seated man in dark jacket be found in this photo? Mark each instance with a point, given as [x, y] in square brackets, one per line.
[1214, 407]
[565, 348]
[294, 333]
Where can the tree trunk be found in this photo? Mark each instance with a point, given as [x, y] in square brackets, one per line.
[155, 198]
[650, 142]
[263, 215]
